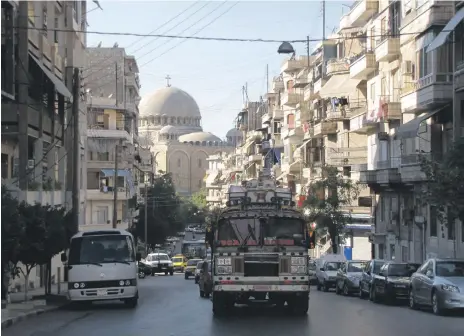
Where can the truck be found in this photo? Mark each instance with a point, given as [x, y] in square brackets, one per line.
[259, 245]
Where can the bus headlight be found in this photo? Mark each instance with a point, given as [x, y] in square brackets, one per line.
[224, 269]
[127, 282]
[224, 261]
[78, 285]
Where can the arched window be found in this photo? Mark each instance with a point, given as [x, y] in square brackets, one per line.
[199, 163]
[178, 163]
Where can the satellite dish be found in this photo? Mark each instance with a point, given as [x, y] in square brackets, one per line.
[286, 48]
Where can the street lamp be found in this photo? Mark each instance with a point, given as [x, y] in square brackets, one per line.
[286, 48]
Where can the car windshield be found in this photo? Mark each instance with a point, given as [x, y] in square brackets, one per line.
[450, 268]
[332, 266]
[399, 270]
[356, 266]
[281, 230]
[377, 266]
[158, 257]
[192, 262]
[101, 249]
[176, 260]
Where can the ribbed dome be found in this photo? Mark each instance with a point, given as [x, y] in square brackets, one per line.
[234, 133]
[199, 136]
[169, 101]
[169, 129]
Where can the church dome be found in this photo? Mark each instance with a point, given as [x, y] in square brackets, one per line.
[171, 102]
[169, 129]
[199, 136]
[234, 133]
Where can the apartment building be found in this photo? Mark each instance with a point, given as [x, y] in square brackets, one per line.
[409, 114]
[114, 156]
[38, 61]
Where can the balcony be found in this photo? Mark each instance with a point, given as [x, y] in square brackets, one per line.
[345, 22]
[336, 66]
[255, 158]
[276, 142]
[325, 128]
[429, 92]
[132, 80]
[362, 124]
[362, 66]
[97, 195]
[387, 49]
[318, 84]
[362, 11]
[291, 98]
[293, 65]
[278, 84]
[346, 156]
[341, 113]
[115, 134]
[301, 80]
[277, 114]
[411, 169]
[368, 177]
[309, 93]
[265, 120]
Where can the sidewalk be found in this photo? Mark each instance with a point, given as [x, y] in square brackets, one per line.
[18, 309]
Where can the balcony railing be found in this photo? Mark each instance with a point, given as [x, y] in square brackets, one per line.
[335, 66]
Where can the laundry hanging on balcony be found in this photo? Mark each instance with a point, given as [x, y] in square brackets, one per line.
[379, 112]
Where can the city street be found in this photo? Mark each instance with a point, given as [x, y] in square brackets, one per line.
[171, 306]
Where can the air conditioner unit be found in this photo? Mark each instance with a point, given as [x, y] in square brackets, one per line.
[406, 67]
[30, 164]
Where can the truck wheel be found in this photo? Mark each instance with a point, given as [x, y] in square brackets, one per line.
[219, 305]
[300, 305]
[166, 273]
[186, 276]
[171, 272]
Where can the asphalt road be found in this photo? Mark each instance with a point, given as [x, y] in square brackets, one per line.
[171, 306]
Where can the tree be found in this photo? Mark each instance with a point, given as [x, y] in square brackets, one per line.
[326, 200]
[12, 228]
[43, 237]
[162, 212]
[443, 186]
[199, 199]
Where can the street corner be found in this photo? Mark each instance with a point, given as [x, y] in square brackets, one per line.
[11, 317]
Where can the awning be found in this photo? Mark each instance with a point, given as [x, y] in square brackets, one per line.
[410, 129]
[449, 28]
[338, 86]
[110, 172]
[211, 177]
[59, 85]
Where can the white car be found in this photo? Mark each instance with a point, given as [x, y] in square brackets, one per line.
[160, 263]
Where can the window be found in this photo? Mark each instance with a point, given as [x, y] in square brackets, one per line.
[102, 215]
[424, 63]
[451, 229]
[433, 221]
[372, 38]
[31, 12]
[404, 253]
[445, 58]
[199, 163]
[372, 92]
[178, 163]
[392, 251]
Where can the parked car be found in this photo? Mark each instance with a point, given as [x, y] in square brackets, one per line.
[349, 276]
[179, 263]
[160, 263]
[326, 270]
[392, 282]
[198, 271]
[205, 281]
[438, 283]
[371, 270]
[191, 267]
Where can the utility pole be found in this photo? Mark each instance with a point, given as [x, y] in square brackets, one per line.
[115, 187]
[307, 52]
[76, 148]
[267, 78]
[146, 219]
[116, 82]
[323, 22]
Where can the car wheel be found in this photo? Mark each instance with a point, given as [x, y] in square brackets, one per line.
[361, 294]
[318, 286]
[371, 294]
[412, 300]
[325, 288]
[436, 308]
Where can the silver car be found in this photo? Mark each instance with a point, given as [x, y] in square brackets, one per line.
[438, 283]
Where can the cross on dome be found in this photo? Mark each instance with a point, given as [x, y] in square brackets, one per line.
[168, 84]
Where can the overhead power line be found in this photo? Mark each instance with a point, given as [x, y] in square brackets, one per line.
[224, 39]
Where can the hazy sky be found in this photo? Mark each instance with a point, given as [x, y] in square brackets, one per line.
[213, 72]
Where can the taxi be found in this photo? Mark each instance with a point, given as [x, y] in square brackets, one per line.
[191, 268]
[179, 262]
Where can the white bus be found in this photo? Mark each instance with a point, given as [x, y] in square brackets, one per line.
[102, 265]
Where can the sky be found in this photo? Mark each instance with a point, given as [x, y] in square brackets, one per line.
[212, 72]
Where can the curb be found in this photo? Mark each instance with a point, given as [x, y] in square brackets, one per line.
[14, 320]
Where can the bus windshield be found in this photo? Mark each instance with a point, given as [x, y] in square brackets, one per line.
[101, 249]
